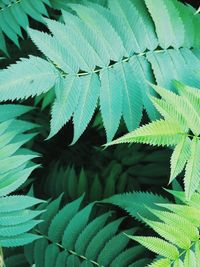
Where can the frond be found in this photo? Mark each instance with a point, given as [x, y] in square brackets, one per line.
[122, 50]
[181, 114]
[192, 170]
[160, 132]
[179, 157]
[179, 226]
[14, 16]
[136, 203]
[77, 236]
[16, 217]
[29, 77]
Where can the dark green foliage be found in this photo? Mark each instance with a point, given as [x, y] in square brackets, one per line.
[74, 234]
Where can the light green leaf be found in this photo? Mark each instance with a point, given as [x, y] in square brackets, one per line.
[179, 157]
[192, 172]
[158, 246]
[160, 132]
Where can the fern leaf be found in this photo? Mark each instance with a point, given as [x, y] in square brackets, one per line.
[61, 259]
[94, 40]
[179, 157]
[40, 245]
[3, 43]
[140, 200]
[158, 246]
[112, 248]
[89, 232]
[189, 28]
[101, 238]
[87, 103]
[67, 95]
[144, 72]
[133, 24]
[197, 253]
[160, 132]
[15, 230]
[61, 32]
[189, 213]
[54, 51]
[83, 183]
[80, 41]
[90, 16]
[175, 220]
[11, 21]
[178, 263]
[7, 30]
[128, 256]
[192, 174]
[151, 40]
[161, 13]
[110, 101]
[170, 232]
[14, 203]
[189, 113]
[169, 112]
[19, 240]
[132, 96]
[52, 250]
[12, 181]
[18, 217]
[19, 13]
[72, 231]
[190, 259]
[85, 34]
[29, 9]
[29, 77]
[47, 217]
[59, 223]
[15, 161]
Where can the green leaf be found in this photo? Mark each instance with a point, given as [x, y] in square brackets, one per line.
[110, 101]
[75, 226]
[14, 203]
[67, 96]
[52, 49]
[160, 132]
[132, 96]
[99, 23]
[89, 94]
[58, 224]
[169, 26]
[190, 259]
[179, 157]
[158, 246]
[192, 172]
[29, 77]
[19, 240]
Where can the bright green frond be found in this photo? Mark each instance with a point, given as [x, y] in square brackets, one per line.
[179, 157]
[192, 172]
[160, 132]
[158, 246]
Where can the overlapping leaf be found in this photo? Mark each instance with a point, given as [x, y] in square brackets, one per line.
[16, 217]
[181, 115]
[120, 46]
